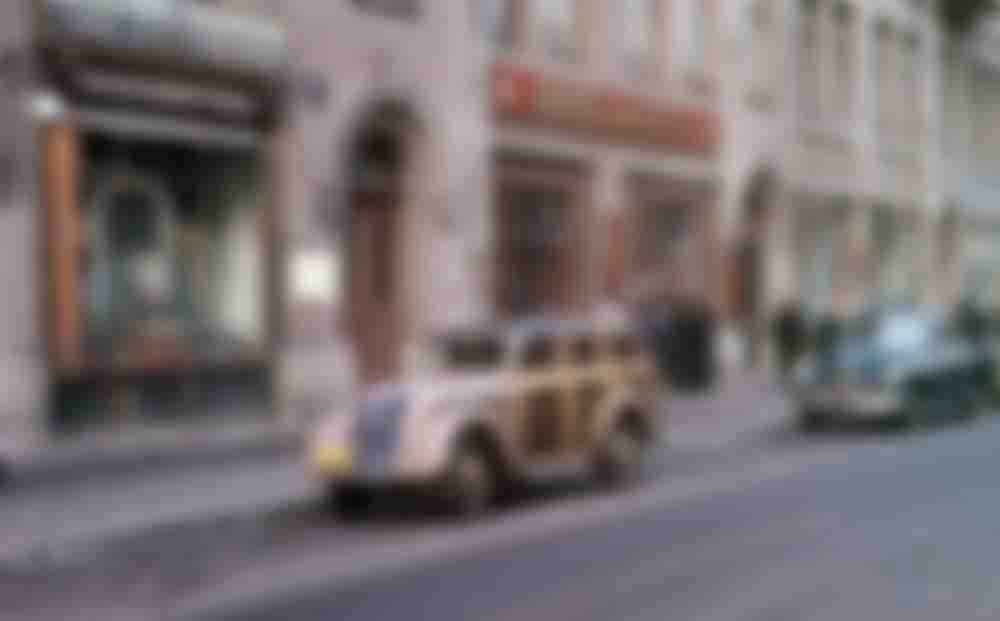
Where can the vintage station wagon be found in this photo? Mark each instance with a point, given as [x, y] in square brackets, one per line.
[525, 403]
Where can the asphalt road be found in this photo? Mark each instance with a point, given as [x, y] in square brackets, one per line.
[842, 526]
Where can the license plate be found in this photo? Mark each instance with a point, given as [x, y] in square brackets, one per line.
[333, 459]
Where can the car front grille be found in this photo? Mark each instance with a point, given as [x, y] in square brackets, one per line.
[377, 433]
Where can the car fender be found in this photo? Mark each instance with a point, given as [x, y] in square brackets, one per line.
[620, 404]
[432, 448]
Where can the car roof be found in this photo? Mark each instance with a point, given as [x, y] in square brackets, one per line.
[559, 326]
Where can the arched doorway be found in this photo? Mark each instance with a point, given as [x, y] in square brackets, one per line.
[377, 184]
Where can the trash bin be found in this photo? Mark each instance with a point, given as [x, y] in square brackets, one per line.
[690, 349]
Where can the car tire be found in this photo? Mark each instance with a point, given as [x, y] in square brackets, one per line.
[968, 405]
[350, 503]
[469, 486]
[913, 416]
[811, 421]
[619, 461]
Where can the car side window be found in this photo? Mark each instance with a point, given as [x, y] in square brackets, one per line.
[583, 350]
[624, 346]
[538, 352]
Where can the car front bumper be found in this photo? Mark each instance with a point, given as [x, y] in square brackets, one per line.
[851, 402]
[340, 463]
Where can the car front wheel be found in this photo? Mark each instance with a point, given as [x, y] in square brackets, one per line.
[811, 420]
[350, 502]
[469, 484]
[620, 459]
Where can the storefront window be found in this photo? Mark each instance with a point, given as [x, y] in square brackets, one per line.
[535, 244]
[174, 260]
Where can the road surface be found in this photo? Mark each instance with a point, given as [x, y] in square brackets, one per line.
[841, 526]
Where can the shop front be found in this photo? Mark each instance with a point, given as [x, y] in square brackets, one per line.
[614, 191]
[155, 128]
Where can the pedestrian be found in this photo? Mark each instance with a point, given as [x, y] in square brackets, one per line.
[789, 337]
[971, 322]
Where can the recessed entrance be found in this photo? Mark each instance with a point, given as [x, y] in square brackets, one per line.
[377, 181]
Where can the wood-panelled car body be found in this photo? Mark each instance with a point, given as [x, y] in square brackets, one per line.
[528, 402]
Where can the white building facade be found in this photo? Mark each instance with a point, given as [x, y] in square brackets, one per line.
[830, 156]
[969, 227]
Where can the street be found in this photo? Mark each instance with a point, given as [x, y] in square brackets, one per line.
[846, 525]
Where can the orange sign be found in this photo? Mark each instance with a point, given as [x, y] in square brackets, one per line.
[526, 97]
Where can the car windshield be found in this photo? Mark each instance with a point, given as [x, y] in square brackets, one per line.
[469, 351]
[899, 334]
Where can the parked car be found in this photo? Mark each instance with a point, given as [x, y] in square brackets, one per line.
[526, 403]
[900, 366]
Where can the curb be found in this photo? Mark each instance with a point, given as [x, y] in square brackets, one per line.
[53, 469]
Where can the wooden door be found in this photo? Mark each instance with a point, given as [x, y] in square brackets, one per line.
[374, 290]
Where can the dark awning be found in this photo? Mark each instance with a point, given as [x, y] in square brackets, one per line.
[166, 33]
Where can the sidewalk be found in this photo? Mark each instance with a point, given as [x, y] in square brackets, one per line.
[148, 449]
[186, 477]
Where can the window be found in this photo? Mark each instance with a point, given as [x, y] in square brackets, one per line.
[699, 33]
[556, 24]
[762, 45]
[912, 86]
[172, 249]
[664, 229]
[539, 351]
[956, 113]
[583, 350]
[809, 82]
[882, 73]
[471, 351]
[640, 33]
[496, 18]
[407, 9]
[625, 345]
[986, 125]
[844, 60]
[535, 241]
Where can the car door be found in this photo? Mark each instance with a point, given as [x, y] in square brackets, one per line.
[541, 400]
[588, 388]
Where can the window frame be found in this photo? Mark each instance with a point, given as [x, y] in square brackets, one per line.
[645, 63]
[568, 52]
[406, 10]
[525, 360]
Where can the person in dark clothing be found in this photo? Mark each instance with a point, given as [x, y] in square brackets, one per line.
[790, 337]
[828, 333]
[971, 322]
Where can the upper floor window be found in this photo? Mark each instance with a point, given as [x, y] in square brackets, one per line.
[697, 22]
[844, 59]
[956, 111]
[497, 20]
[912, 85]
[556, 24]
[763, 45]
[809, 59]
[407, 9]
[882, 73]
[640, 33]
